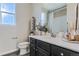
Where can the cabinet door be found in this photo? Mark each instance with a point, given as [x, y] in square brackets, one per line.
[32, 50]
[32, 41]
[45, 46]
[41, 52]
[32, 47]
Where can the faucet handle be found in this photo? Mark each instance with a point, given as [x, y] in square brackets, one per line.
[53, 35]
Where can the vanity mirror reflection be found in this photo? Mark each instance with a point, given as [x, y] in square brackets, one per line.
[57, 20]
[56, 17]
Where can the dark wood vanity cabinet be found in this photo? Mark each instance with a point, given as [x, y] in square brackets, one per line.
[41, 48]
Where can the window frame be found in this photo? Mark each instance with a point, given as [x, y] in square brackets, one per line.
[6, 12]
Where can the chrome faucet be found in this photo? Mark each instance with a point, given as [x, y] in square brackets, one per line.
[53, 35]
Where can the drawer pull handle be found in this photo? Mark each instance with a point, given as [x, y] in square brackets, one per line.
[36, 49]
[61, 54]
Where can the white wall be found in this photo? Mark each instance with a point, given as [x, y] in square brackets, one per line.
[36, 12]
[23, 17]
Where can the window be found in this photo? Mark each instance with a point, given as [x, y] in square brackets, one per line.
[43, 18]
[7, 13]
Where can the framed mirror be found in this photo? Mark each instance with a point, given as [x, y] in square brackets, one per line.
[57, 20]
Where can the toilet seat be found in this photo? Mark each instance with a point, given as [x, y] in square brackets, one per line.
[22, 43]
[22, 46]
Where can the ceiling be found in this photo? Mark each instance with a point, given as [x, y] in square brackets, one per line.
[52, 6]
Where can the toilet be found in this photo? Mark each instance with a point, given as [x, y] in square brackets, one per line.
[23, 46]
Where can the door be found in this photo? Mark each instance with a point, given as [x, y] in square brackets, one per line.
[7, 28]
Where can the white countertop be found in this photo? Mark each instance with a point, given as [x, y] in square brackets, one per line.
[59, 42]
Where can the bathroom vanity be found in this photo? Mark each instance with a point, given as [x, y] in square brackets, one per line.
[49, 46]
[61, 19]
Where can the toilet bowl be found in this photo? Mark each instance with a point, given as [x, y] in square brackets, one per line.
[23, 46]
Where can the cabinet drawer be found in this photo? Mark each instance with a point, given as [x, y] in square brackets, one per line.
[43, 45]
[59, 51]
[67, 52]
[64, 52]
[32, 51]
[55, 51]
